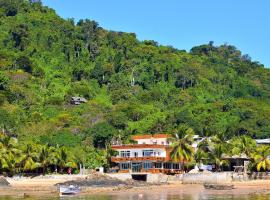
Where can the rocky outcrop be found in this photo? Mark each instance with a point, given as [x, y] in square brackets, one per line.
[4, 182]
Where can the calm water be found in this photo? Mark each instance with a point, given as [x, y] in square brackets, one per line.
[164, 196]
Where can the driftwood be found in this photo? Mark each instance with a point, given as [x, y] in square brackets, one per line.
[218, 187]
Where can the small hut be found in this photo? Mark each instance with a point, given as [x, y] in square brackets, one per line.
[77, 100]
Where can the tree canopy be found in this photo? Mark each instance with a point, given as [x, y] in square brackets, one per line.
[131, 86]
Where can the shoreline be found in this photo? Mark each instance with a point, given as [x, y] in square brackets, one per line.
[46, 188]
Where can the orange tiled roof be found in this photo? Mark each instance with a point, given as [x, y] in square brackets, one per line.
[149, 136]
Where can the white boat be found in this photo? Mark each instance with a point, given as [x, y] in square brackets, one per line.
[69, 190]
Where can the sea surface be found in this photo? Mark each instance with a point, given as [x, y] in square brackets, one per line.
[161, 196]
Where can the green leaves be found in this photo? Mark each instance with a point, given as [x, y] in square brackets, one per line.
[261, 158]
[4, 81]
[30, 157]
[131, 86]
[182, 139]
[243, 145]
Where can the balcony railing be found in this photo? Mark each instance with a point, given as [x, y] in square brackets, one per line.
[135, 146]
[149, 158]
[151, 170]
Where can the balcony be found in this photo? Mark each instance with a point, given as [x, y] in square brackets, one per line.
[140, 146]
[128, 159]
[151, 170]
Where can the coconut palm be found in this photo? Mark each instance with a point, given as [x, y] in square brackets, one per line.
[243, 145]
[29, 157]
[64, 159]
[182, 150]
[5, 160]
[216, 155]
[261, 158]
[9, 153]
[201, 154]
[8, 143]
[45, 157]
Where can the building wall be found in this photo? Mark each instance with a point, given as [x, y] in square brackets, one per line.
[151, 178]
[160, 141]
[159, 152]
[210, 178]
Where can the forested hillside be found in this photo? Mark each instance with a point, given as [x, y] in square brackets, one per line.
[131, 86]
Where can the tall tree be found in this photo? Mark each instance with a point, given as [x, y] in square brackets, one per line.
[261, 158]
[182, 150]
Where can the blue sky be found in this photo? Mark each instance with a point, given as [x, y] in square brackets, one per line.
[181, 23]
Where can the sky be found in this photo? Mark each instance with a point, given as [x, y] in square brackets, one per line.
[182, 24]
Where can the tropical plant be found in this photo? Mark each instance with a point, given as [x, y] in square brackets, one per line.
[64, 159]
[29, 157]
[9, 153]
[45, 157]
[242, 145]
[182, 150]
[261, 158]
[217, 155]
[201, 155]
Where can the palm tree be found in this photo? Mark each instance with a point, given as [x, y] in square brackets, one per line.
[29, 157]
[216, 155]
[64, 159]
[243, 145]
[9, 153]
[182, 150]
[261, 158]
[5, 160]
[201, 154]
[45, 157]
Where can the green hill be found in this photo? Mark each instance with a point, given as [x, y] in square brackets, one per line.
[131, 86]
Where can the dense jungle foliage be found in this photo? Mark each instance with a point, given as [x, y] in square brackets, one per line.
[131, 86]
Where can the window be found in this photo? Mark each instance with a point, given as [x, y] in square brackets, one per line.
[125, 166]
[125, 154]
[158, 165]
[167, 165]
[147, 165]
[176, 166]
[147, 153]
[135, 154]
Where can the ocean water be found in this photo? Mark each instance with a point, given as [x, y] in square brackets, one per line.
[160, 196]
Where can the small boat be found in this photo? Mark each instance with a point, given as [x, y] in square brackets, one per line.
[69, 190]
[218, 186]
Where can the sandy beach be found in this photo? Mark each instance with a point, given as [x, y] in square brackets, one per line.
[46, 187]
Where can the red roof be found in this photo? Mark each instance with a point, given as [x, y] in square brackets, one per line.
[148, 136]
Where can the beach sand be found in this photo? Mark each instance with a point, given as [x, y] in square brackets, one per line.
[46, 187]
